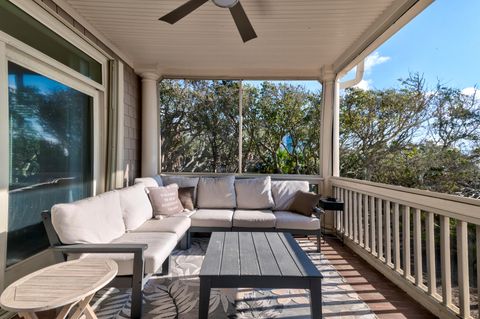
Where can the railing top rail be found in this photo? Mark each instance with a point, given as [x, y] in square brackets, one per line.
[313, 179]
[460, 208]
[450, 197]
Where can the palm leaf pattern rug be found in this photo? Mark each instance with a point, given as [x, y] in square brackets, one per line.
[176, 295]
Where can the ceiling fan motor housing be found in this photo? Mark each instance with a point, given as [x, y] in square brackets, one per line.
[225, 3]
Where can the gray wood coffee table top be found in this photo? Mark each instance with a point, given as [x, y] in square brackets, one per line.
[246, 254]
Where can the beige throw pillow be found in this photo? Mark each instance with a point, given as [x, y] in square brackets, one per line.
[304, 202]
[165, 200]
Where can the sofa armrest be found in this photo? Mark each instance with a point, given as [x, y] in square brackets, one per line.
[102, 248]
[318, 212]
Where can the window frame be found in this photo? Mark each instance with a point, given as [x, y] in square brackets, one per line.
[22, 54]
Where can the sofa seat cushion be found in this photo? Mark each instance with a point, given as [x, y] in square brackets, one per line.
[175, 225]
[254, 218]
[94, 220]
[160, 246]
[212, 218]
[290, 220]
[136, 207]
[284, 192]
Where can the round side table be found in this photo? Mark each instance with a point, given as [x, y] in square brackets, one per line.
[68, 285]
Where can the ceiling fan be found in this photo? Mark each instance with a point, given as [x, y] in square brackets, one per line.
[239, 16]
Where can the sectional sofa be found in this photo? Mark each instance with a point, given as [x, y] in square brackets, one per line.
[243, 204]
[119, 224]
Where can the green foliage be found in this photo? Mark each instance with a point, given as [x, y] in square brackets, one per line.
[200, 127]
[412, 137]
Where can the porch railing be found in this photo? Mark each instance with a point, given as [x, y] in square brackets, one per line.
[427, 243]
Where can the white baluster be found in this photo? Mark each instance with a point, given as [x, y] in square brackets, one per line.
[406, 242]
[388, 234]
[445, 259]
[462, 261]
[417, 246]
[372, 226]
[396, 236]
[380, 228]
[430, 242]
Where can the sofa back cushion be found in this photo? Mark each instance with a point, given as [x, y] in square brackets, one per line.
[93, 220]
[284, 192]
[182, 181]
[216, 192]
[254, 193]
[136, 207]
[148, 181]
[165, 200]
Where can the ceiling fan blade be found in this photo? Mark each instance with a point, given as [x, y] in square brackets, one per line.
[182, 11]
[243, 24]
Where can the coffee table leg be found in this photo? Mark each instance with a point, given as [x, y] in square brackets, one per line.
[28, 315]
[204, 298]
[316, 298]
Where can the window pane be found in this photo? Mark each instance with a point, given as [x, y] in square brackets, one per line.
[50, 155]
[199, 126]
[20, 25]
[281, 127]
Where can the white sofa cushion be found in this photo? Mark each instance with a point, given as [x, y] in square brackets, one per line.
[147, 181]
[254, 193]
[290, 220]
[175, 225]
[212, 218]
[93, 220]
[253, 218]
[284, 192]
[160, 246]
[136, 207]
[216, 192]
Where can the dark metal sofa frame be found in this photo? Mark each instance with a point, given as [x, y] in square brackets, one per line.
[136, 281]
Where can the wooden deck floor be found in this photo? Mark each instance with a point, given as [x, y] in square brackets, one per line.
[384, 298]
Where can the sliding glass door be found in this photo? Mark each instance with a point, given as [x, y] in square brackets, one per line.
[50, 154]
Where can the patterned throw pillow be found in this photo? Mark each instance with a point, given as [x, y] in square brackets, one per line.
[165, 200]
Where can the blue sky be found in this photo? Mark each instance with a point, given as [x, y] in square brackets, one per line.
[442, 43]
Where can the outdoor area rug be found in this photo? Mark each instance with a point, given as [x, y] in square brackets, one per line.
[176, 295]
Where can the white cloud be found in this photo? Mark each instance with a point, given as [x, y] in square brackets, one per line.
[470, 91]
[375, 59]
[364, 85]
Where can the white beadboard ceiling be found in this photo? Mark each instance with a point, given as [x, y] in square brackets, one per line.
[296, 38]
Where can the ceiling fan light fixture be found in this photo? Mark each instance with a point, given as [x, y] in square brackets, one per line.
[225, 3]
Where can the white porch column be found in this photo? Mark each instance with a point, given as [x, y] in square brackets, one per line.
[150, 125]
[329, 143]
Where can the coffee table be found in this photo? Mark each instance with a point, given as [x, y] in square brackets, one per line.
[68, 285]
[258, 260]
